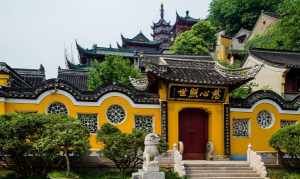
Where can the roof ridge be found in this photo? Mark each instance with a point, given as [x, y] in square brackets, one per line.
[275, 50]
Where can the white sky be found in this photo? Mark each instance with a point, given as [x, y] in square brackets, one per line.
[34, 32]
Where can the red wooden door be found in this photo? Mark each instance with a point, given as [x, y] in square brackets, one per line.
[193, 132]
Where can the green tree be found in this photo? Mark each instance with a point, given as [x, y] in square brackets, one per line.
[284, 34]
[18, 132]
[231, 15]
[287, 140]
[63, 135]
[113, 70]
[125, 150]
[197, 41]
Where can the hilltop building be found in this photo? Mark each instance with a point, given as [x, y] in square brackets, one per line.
[163, 35]
[233, 47]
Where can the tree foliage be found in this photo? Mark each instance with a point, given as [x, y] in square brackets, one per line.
[197, 41]
[287, 140]
[17, 134]
[63, 135]
[243, 91]
[32, 142]
[113, 70]
[231, 15]
[283, 35]
[125, 150]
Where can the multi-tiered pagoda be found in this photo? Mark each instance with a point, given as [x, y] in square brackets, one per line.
[163, 35]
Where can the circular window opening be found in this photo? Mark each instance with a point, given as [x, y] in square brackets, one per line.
[115, 114]
[57, 108]
[265, 119]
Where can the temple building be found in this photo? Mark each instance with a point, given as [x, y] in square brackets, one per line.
[163, 35]
[230, 48]
[183, 98]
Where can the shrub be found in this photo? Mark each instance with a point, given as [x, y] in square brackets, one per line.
[125, 150]
[63, 135]
[31, 143]
[287, 140]
[17, 134]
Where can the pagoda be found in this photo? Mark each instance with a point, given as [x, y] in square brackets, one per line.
[162, 30]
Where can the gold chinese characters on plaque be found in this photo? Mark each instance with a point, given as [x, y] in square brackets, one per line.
[179, 92]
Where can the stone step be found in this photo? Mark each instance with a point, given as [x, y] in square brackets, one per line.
[217, 168]
[218, 165]
[223, 175]
[188, 171]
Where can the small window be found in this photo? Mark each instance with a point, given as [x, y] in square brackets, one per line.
[285, 123]
[240, 127]
[265, 119]
[144, 123]
[57, 108]
[115, 114]
[89, 121]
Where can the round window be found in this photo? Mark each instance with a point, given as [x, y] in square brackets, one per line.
[265, 119]
[57, 108]
[115, 114]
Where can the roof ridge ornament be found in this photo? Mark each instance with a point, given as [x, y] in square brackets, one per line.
[140, 84]
[249, 72]
[162, 11]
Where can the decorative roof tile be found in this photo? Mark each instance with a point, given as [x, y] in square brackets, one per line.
[79, 95]
[202, 71]
[280, 58]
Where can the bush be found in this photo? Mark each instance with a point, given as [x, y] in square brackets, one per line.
[287, 140]
[125, 150]
[32, 143]
[18, 132]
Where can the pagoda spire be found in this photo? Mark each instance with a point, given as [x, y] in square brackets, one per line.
[162, 11]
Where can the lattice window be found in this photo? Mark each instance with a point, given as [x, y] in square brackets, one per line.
[285, 123]
[265, 119]
[57, 108]
[115, 114]
[240, 127]
[144, 123]
[89, 121]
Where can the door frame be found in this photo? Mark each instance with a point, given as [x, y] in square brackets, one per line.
[180, 118]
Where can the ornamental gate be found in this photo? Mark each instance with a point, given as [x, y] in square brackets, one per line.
[193, 132]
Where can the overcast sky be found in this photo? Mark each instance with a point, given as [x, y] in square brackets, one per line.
[34, 32]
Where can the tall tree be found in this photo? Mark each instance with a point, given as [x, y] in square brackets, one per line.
[283, 35]
[231, 15]
[196, 41]
[63, 135]
[113, 70]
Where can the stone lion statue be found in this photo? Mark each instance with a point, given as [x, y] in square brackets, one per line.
[150, 155]
[210, 151]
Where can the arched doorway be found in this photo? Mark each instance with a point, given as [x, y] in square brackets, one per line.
[193, 132]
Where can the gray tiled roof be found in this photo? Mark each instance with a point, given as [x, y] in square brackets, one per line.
[277, 57]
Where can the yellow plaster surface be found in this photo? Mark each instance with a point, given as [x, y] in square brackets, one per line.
[259, 137]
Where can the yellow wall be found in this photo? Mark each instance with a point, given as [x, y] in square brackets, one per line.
[4, 79]
[222, 48]
[258, 137]
[126, 126]
[215, 122]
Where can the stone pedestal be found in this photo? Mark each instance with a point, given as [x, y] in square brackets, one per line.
[150, 160]
[148, 175]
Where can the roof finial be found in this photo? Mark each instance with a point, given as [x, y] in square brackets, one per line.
[162, 11]
[187, 13]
